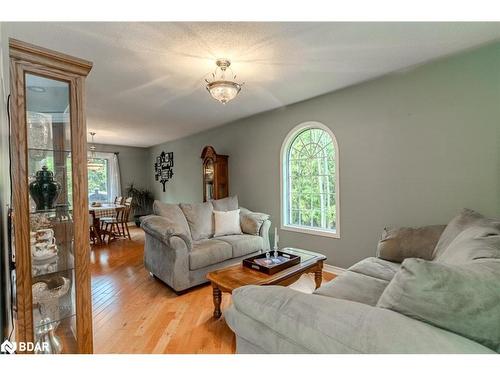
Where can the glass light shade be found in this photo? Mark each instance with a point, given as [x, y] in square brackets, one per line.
[93, 165]
[223, 91]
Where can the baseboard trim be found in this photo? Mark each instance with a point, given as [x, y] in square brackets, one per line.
[333, 269]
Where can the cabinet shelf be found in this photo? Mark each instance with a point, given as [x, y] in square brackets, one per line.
[59, 270]
[61, 209]
[55, 321]
[34, 149]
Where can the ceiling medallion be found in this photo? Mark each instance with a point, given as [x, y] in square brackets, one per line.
[222, 85]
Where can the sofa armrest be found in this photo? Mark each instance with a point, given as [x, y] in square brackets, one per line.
[320, 324]
[164, 229]
[257, 224]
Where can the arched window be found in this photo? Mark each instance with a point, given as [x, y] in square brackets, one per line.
[309, 180]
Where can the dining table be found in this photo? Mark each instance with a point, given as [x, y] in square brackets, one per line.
[103, 210]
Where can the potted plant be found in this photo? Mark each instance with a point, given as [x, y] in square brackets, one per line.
[142, 202]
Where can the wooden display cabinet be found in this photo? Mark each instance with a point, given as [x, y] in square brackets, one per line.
[215, 174]
[50, 213]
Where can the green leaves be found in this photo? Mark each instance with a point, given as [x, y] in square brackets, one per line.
[311, 179]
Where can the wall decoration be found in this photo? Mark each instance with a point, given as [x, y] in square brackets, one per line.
[164, 167]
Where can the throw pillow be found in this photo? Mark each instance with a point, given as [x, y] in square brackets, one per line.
[227, 223]
[397, 244]
[463, 299]
[251, 222]
[200, 219]
[465, 219]
[476, 242]
[226, 204]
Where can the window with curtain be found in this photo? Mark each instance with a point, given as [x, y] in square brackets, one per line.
[310, 180]
[103, 177]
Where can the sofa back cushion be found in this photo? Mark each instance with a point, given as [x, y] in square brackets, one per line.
[174, 215]
[200, 219]
[397, 244]
[225, 204]
[464, 299]
[480, 241]
[465, 219]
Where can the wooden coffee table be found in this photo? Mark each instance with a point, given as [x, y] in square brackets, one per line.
[230, 278]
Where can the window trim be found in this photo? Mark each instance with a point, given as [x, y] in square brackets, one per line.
[283, 176]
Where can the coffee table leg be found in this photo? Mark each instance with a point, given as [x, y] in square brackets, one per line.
[318, 277]
[217, 301]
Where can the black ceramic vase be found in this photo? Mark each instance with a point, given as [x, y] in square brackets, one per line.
[44, 190]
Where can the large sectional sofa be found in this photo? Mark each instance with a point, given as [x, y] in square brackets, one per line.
[434, 289]
[180, 247]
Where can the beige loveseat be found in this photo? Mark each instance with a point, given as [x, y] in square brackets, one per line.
[180, 247]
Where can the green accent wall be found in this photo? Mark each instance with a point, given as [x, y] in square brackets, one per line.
[415, 147]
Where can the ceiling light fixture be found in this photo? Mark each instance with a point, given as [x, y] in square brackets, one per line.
[91, 162]
[222, 86]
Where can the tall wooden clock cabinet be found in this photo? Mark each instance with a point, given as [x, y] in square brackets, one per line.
[50, 217]
[215, 174]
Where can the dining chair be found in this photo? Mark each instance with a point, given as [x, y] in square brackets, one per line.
[118, 226]
[105, 219]
[94, 236]
[125, 216]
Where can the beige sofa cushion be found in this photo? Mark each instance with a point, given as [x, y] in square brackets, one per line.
[225, 204]
[464, 299]
[465, 219]
[208, 252]
[397, 244]
[243, 244]
[375, 267]
[473, 243]
[200, 219]
[355, 287]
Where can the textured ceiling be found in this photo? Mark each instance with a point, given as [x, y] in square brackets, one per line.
[147, 84]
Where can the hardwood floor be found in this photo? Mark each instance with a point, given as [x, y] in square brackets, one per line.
[136, 313]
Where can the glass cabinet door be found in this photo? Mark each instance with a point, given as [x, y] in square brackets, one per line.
[50, 187]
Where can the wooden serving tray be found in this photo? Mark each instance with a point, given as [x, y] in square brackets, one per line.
[289, 261]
